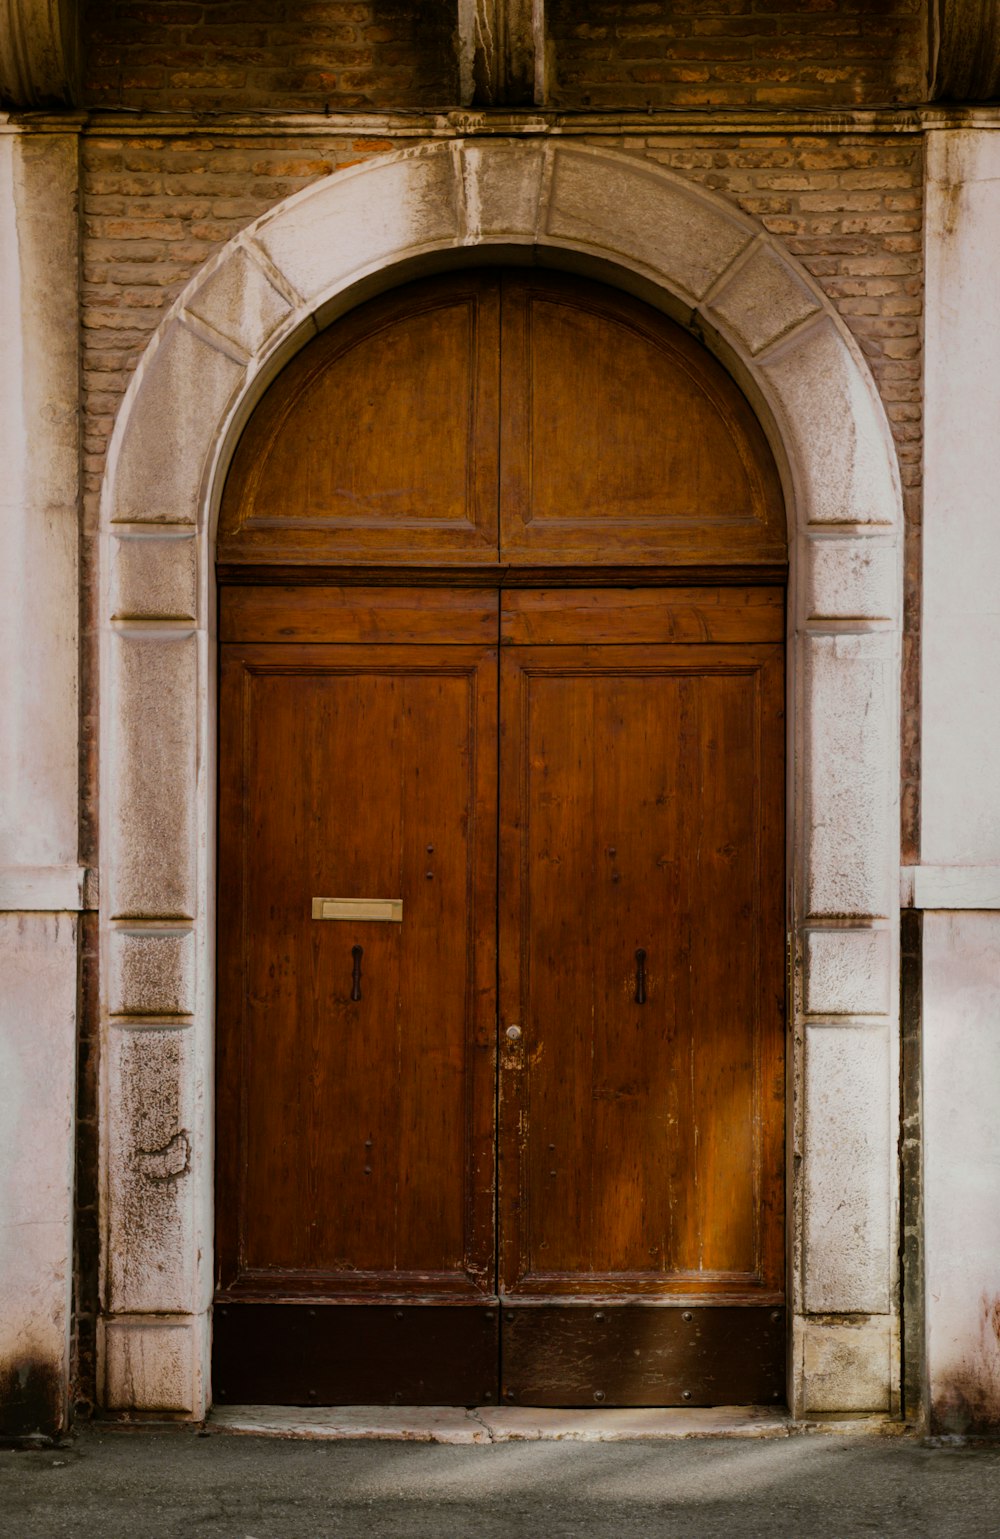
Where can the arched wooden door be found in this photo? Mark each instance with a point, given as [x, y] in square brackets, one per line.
[501, 899]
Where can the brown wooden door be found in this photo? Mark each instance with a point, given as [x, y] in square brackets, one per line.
[637, 1161]
[518, 1132]
[641, 1009]
[357, 1017]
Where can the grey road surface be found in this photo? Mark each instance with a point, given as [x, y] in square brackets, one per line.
[176, 1485]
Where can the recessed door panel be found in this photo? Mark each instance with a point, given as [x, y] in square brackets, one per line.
[641, 895]
[378, 442]
[356, 1051]
[623, 440]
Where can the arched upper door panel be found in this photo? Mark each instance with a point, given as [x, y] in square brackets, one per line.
[516, 418]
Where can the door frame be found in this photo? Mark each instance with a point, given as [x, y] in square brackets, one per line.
[627, 222]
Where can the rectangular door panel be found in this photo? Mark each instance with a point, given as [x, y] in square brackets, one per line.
[641, 958]
[356, 1056]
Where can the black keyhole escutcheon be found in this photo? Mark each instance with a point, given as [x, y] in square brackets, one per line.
[640, 977]
[357, 952]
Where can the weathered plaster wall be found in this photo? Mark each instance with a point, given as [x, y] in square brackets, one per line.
[958, 882]
[41, 883]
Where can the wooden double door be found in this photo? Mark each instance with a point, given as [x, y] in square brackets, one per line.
[501, 996]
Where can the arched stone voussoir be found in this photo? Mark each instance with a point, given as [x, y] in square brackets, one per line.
[242, 302]
[182, 393]
[373, 215]
[834, 427]
[760, 299]
[649, 219]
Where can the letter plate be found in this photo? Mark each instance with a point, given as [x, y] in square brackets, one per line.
[386, 910]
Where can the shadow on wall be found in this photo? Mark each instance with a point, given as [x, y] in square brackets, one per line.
[32, 1400]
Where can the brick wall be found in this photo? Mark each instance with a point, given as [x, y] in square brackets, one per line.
[723, 53]
[269, 55]
[328, 55]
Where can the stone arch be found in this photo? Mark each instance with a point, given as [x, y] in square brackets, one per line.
[244, 314]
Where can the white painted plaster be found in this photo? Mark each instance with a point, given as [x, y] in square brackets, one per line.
[960, 639]
[40, 878]
[961, 1028]
[960, 754]
[956, 887]
[38, 499]
[42, 889]
[343, 238]
[37, 1101]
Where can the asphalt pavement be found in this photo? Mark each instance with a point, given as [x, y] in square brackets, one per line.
[113, 1484]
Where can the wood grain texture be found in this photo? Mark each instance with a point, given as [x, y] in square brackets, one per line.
[622, 439]
[356, 1136]
[503, 419]
[361, 614]
[642, 807]
[503, 556]
[550, 616]
[378, 442]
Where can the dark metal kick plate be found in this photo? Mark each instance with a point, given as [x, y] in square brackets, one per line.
[630, 1354]
[346, 1354]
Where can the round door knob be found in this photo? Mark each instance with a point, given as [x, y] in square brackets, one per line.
[513, 1033]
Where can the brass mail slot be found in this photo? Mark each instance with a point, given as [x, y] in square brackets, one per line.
[389, 910]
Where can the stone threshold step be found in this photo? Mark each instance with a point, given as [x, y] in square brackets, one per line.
[455, 1424]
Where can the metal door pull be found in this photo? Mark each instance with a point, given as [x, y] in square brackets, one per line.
[640, 977]
[387, 910]
[357, 952]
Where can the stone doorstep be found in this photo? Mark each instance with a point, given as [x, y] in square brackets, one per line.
[520, 1424]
